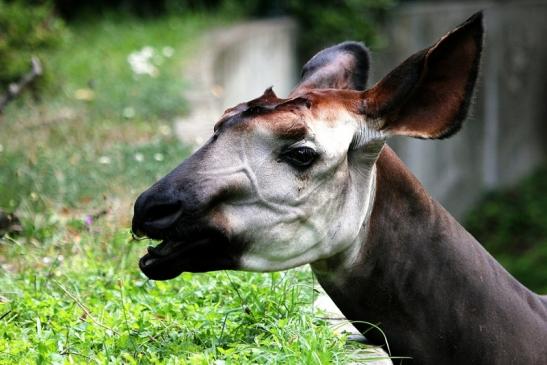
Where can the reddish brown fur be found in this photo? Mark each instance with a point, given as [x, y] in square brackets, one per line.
[428, 95]
[287, 118]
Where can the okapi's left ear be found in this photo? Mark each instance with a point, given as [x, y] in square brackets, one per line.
[428, 95]
[343, 66]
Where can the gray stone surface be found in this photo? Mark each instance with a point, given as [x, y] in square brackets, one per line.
[233, 65]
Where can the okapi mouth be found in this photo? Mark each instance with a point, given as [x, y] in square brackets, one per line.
[198, 251]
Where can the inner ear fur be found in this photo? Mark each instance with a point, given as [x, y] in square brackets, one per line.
[428, 95]
[343, 66]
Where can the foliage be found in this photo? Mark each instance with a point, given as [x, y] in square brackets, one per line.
[93, 75]
[70, 168]
[76, 10]
[76, 295]
[512, 225]
[75, 143]
[25, 31]
[322, 22]
[326, 22]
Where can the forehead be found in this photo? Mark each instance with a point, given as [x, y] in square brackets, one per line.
[286, 118]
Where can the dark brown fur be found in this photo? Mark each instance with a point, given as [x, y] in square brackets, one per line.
[343, 66]
[439, 297]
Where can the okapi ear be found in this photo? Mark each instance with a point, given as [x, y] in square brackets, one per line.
[428, 95]
[344, 66]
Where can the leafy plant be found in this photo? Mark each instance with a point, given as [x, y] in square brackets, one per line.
[323, 22]
[512, 226]
[326, 22]
[25, 31]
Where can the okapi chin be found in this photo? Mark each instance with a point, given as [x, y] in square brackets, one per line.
[309, 179]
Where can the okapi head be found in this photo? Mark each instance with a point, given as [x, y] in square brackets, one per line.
[285, 182]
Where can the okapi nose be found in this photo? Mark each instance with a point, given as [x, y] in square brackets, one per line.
[154, 212]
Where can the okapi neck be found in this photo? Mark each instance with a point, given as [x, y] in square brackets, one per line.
[430, 286]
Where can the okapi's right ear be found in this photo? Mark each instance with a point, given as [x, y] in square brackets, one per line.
[428, 95]
[344, 66]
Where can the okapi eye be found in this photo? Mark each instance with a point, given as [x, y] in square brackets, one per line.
[299, 157]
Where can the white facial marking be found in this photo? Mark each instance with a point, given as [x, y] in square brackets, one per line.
[287, 216]
[301, 217]
[243, 167]
[369, 130]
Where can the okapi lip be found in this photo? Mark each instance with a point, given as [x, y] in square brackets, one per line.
[165, 266]
[170, 258]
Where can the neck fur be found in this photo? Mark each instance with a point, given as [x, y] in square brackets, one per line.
[429, 285]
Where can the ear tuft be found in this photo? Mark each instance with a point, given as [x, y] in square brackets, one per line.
[343, 66]
[269, 94]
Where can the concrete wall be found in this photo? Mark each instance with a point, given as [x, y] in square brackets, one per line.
[233, 65]
[506, 135]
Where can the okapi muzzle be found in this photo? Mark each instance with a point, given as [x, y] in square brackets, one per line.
[180, 211]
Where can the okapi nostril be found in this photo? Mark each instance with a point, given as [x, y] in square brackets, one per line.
[163, 215]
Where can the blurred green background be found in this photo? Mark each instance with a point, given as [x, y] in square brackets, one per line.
[79, 144]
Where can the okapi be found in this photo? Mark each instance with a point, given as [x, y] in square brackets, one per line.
[310, 179]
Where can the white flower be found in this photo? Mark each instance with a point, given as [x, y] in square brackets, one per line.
[139, 157]
[168, 51]
[141, 62]
[165, 130]
[104, 160]
[147, 51]
[158, 157]
[128, 112]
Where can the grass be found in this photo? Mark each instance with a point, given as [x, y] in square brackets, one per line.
[71, 165]
[94, 306]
